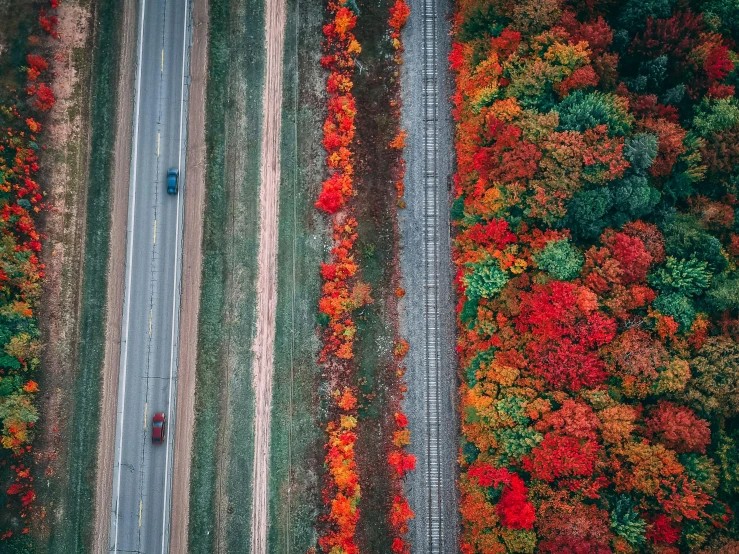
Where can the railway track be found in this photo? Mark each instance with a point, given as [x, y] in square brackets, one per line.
[431, 238]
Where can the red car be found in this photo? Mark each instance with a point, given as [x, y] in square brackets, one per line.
[158, 428]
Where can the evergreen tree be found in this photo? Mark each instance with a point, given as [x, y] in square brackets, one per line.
[634, 13]
[633, 198]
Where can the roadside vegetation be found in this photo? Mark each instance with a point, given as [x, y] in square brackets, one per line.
[597, 248]
[25, 99]
[361, 354]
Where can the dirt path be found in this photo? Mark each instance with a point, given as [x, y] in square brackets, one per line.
[267, 275]
[191, 277]
[116, 271]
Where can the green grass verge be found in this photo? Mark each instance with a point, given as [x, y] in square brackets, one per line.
[224, 397]
[73, 531]
[296, 439]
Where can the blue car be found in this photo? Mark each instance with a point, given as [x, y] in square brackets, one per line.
[172, 176]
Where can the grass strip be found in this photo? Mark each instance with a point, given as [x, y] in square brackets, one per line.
[224, 403]
[297, 442]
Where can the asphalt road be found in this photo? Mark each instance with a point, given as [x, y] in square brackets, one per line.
[150, 325]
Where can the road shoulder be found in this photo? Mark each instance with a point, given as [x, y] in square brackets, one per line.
[116, 270]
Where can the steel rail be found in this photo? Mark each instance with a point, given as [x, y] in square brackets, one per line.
[431, 266]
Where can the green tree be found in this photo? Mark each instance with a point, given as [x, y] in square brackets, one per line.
[723, 15]
[586, 213]
[673, 96]
[715, 115]
[687, 277]
[485, 280]
[581, 111]
[560, 259]
[724, 294]
[685, 238]
[713, 388]
[651, 75]
[702, 470]
[633, 198]
[641, 150]
[727, 453]
[634, 14]
[678, 306]
[626, 522]
[481, 22]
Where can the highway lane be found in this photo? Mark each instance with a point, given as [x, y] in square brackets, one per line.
[150, 325]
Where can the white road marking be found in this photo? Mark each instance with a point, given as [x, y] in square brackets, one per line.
[174, 290]
[151, 319]
[132, 229]
[159, 136]
[162, 60]
[141, 510]
[155, 231]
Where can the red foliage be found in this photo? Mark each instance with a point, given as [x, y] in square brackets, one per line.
[596, 33]
[399, 13]
[581, 78]
[719, 90]
[678, 427]
[401, 462]
[48, 23]
[506, 43]
[334, 193]
[718, 64]
[44, 97]
[661, 531]
[493, 233]
[651, 238]
[566, 331]
[340, 49]
[577, 529]
[514, 509]
[575, 419]
[36, 66]
[675, 36]
[559, 457]
[631, 255]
